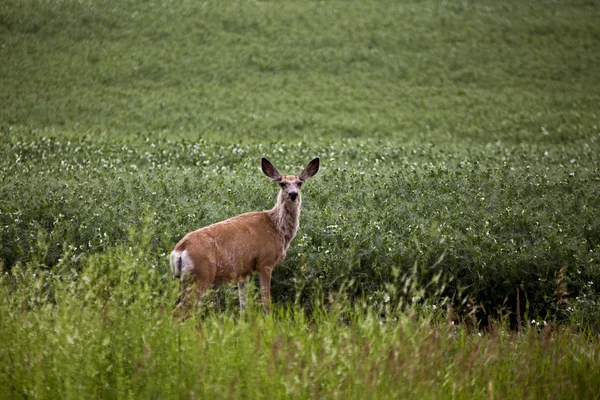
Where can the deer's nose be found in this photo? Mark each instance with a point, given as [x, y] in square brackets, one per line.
[293, 195]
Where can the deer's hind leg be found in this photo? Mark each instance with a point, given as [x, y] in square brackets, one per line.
[182, 305]
[191, 292]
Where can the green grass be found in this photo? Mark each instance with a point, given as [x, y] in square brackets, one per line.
[501, 219]
[104, 332]
[459, 148]
[250, 69]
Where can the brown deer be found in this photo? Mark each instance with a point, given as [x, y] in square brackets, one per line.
[231, 250]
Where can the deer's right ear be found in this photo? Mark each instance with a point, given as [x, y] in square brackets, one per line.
[311, 169]
[269, 169]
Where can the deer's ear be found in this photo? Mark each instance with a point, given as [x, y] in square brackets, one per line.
[311, 170]
[269, 169]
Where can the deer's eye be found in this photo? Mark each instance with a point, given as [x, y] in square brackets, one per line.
[282, 184]
[299, 184]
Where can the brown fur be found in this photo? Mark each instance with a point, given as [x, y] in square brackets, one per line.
[231, 250]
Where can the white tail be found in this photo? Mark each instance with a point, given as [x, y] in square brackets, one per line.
[231, 250]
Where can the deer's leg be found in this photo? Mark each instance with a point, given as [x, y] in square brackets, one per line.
[265, 289]
[242, 293]
[188, 290]
[182, 305]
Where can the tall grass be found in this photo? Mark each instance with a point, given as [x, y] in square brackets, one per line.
[104, 330]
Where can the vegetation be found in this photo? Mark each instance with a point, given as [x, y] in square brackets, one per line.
[103, 332]
[449, 247]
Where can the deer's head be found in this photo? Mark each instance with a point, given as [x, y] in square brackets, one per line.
[290, 184]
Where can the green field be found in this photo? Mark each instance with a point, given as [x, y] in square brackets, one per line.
[448, 248]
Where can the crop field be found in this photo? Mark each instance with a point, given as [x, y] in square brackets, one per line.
[449, 246]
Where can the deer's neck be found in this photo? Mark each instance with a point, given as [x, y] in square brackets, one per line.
[286, 217]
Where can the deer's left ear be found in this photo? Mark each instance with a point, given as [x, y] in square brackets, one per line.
[269, 169]
[311, 170]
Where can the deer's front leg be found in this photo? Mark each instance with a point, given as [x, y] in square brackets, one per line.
[265, 289]
[242, 293]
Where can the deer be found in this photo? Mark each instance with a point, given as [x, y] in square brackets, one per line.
[232, 250]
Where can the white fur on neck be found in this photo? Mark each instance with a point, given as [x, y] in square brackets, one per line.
[286, 217]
